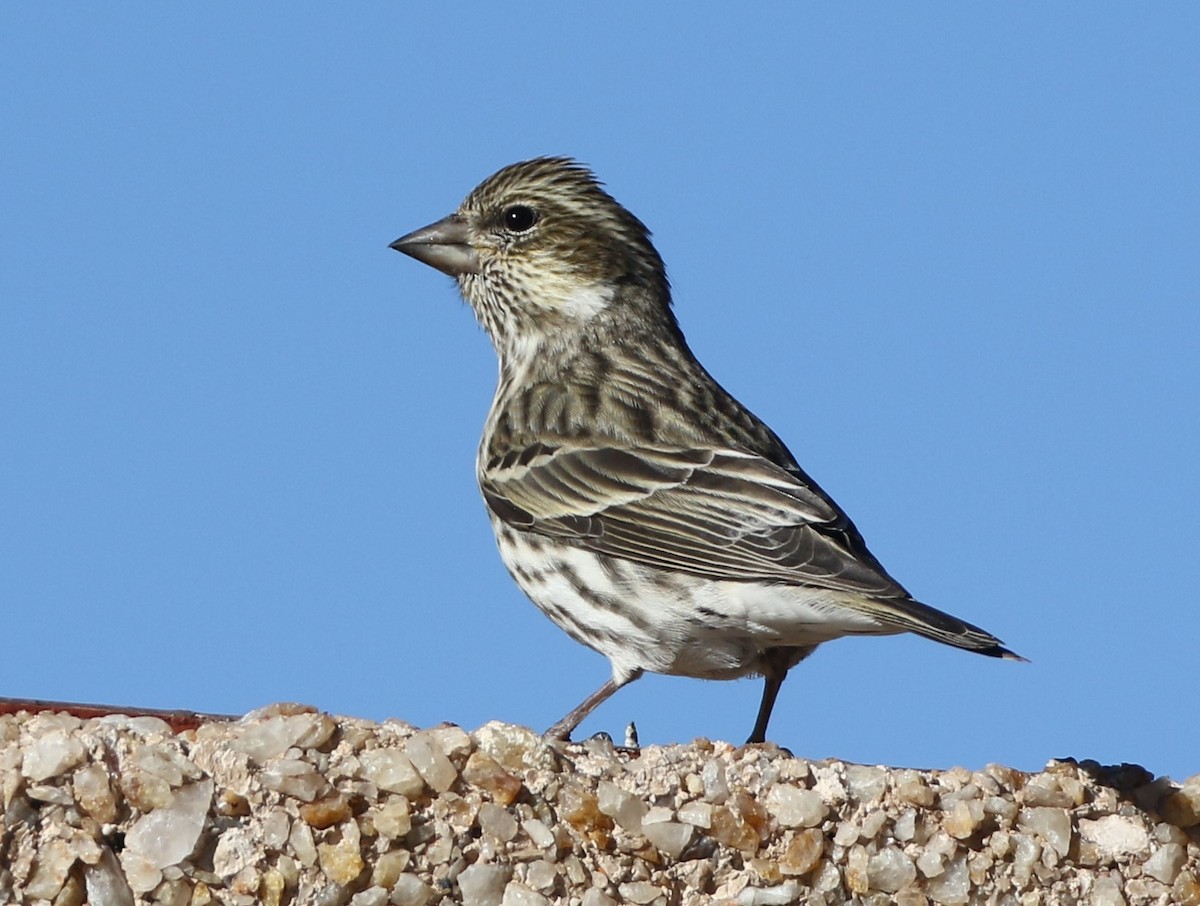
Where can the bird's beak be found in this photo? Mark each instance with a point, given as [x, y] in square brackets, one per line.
[444, 245]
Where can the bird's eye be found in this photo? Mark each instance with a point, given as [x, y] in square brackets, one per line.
[519, 218]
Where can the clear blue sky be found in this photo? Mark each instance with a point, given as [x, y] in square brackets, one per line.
[949, 252]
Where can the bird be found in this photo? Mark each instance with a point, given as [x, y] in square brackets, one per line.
[643, 509]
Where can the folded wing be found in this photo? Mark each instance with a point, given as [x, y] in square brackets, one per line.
[721, 514]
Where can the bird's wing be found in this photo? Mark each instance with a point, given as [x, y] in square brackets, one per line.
[722, 514]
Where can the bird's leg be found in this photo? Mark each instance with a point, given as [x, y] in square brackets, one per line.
[563, 729]
[776, 662]
[770, 690]
[774, 665]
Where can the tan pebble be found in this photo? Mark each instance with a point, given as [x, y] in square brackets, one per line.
[326, 812]
[873, 824]
[640, 892]
[580, 808]
[962, 820]
[232, 805]
[911, 896]
[201, 895]
[729, 828]
[389, 867]
[392, 819]
[803, 853]
[911, 787]
[1073, 789]
[391, 771]
[74, 893]
[621, 805]
[767, 869]
[289, 868]
[455, 810]
[1186, 890]
[272, 887]
[980, 866]
[1182, 807]
[484, 772]
[94, 794]
[858, 880]
[341, 862]
[145, 792]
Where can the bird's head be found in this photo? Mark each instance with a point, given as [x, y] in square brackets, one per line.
[540, 251]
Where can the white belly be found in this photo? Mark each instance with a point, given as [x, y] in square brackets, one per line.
[641, 618]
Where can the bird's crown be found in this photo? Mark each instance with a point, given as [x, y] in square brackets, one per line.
[554, 209]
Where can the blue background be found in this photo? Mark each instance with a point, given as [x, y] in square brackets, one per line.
[949, 252]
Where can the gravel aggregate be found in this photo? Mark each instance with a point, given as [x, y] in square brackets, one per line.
[292, 806]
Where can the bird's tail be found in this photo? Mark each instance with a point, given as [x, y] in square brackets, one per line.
[907, 614]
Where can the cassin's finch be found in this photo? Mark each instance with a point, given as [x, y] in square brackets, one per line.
[645, 511]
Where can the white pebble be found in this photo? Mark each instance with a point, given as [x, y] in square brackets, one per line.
[431, 762]
[953, 886]
[1115, 835]
[391, 770]
[697, 814]
[794, 807]
[1106, 892]
[540, 835]
[890, 869]
[409, 890]
[597, 897]
[519, 895]
[669, 836]
[1165, 864]
[483, 885]
[1051, 825]
[495, 821]
[51, 755]
[716, 786]
[622, 806]
[167, 836]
